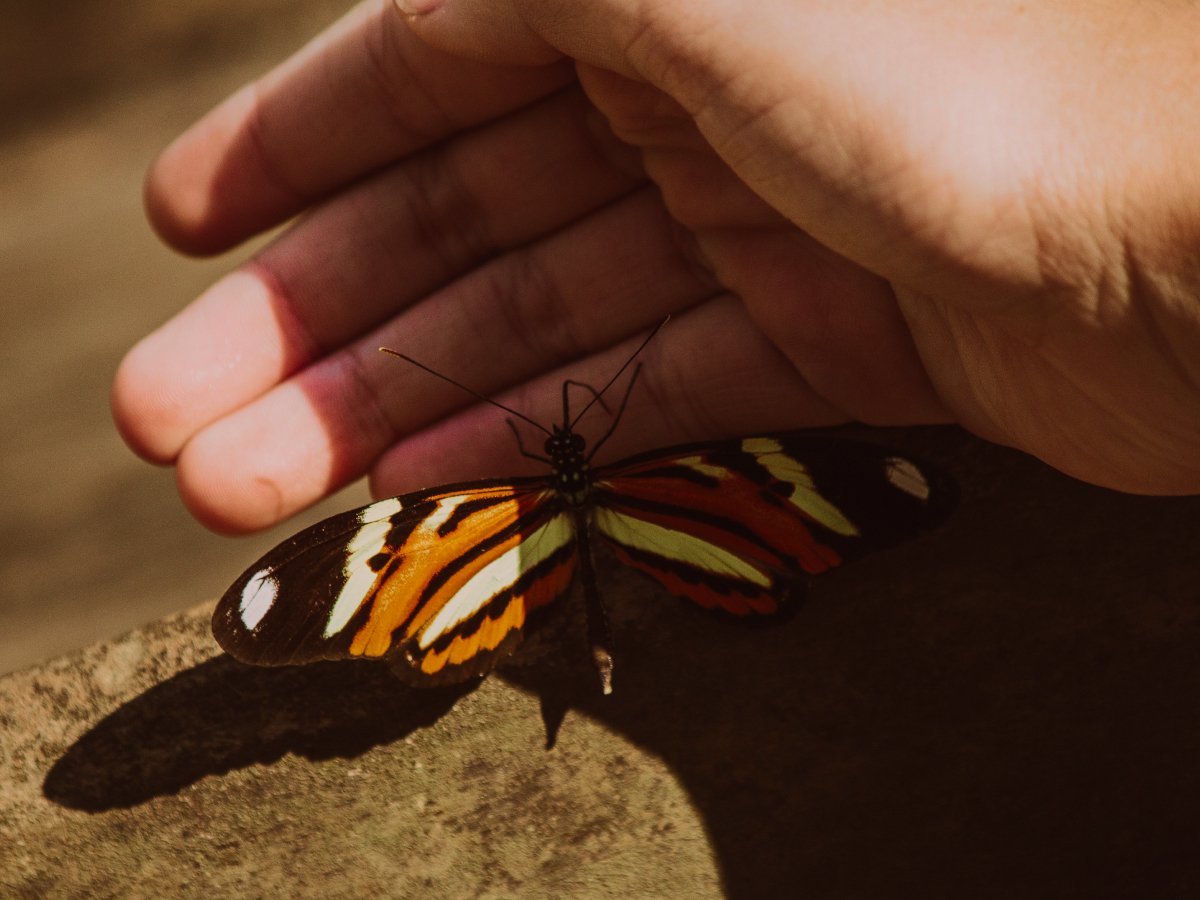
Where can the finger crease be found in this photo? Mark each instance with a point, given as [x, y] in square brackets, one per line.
[366, 404]
[269, 167]
[398, 83]
[437, 205]
[298, 337]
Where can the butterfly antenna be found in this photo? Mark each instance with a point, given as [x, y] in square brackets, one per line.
[611, 381]
[463, 387]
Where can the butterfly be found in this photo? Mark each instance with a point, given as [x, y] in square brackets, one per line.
[444, 583]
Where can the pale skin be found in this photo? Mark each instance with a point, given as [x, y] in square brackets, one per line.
[983, 213]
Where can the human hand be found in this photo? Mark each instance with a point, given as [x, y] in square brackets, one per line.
[972, 214]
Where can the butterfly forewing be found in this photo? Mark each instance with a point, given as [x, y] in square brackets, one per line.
[440, 582]
[738, 525]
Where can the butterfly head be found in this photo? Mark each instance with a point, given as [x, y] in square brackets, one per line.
[572, 475]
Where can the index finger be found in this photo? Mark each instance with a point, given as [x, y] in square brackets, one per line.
[363, 94]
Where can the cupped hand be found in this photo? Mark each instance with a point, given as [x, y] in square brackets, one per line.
[981, 214]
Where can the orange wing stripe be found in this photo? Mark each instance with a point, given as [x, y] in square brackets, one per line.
[408, 595]
[476, 645]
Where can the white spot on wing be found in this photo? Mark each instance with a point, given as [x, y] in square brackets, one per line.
[442, 512]
[376, 522]
[258, 596]
[498, 575]
[906, 477]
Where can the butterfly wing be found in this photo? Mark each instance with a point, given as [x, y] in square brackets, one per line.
[441, 583]
[737, 526]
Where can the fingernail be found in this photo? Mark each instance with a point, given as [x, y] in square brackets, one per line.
[417, 7]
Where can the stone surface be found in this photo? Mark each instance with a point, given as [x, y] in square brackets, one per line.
[1004, 708]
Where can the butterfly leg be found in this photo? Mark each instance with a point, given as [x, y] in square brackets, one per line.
[520, 446]
[596, 395]
[569, 423]
[637, 370]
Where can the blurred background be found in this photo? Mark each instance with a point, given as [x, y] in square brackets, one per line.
[93, 541]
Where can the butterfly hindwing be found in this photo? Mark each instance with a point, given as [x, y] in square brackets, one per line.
[441, 582]
[738, 525]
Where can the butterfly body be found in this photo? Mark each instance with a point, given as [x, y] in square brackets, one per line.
[572, 471]
[443, 583]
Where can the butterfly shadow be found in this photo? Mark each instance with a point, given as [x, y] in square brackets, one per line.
[222, 715]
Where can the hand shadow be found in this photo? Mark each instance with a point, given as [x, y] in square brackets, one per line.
[1010, 702]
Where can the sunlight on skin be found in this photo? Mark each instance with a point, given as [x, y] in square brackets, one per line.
[911, 232]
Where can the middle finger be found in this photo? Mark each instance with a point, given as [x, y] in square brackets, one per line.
[567, 296]
[361, 257]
